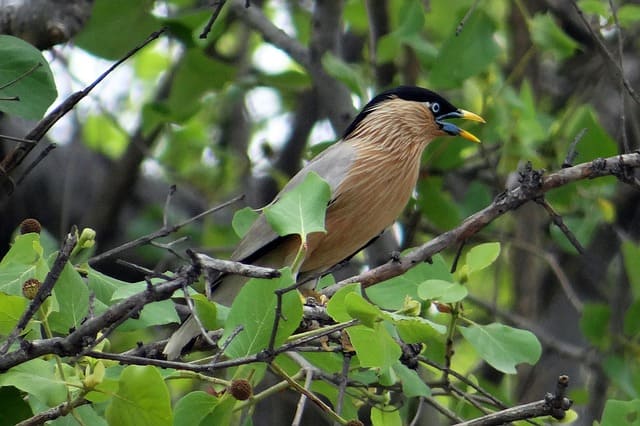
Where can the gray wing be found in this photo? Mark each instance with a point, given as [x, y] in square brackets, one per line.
[332, 165]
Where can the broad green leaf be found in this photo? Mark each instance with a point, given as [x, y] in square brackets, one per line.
[301, 210]
[477, 41]
[595, 143]
[196, 75]
[156, 313]
[191, 409]
[549, 37]
[113, 17]
[36, 90]
[142, 399]
[594, 324]
[254, 310]
[503, 347]
[207, 311]
[73, 301]
[631, 254]
[392, 293]
[337, 305]
[103, 135]
[387, 416]
[13, 407]
[437, 204]
[619, 413]
[357, 307]
[103, 286]
[442, 291]
[632, 320]
[481, 256]
[412, 384]
[23, 261]
[11, 309]
[344, 72]
[597, 7]
[419, 330]
[243, 219]
[628, 14]
[624, 374]
[375, 346]
[38, 378]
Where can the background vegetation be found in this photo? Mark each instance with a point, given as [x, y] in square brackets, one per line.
[238, 111]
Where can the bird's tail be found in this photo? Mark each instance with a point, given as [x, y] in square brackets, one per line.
[179, 339]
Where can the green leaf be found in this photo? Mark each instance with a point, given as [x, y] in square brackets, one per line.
[38, 378]
[442, 291]
[196, 75]
[412, 384]
[207, 311]
[628, 15]
[618, 413]
[415, 329]
[103, 286]
[631, 254]
[597, 7]
[104, 136]
[13, 407]
[632, 320]
[113, 17]
[344, 72]
[35, 90]
[142, 399]
[23, 261]
[623, 374]
[156, 313]
[336, 307]
[391, 294]
[503, 347]
[243, 219]
[594, 324]
[11, 309]
[482, 256]
[301, 211]
[357, 307]
[73, 301]
[254, 310]
[375, 346]
[386, 416]
[477, 41]
[549, 37]
[193, 408]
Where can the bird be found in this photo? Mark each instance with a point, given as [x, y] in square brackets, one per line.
[371, 171]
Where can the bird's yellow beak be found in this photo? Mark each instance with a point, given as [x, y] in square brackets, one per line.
[455, 130]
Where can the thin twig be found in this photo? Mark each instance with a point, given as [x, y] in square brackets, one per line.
[573, 153]
[162, 232]
[602, 48]
[559, 222]
[466, 17]
[35, 162]
[45, 288]
[214, 16]
[15, 157]
[297, 418]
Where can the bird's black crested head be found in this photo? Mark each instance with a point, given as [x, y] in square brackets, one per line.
[438, 105]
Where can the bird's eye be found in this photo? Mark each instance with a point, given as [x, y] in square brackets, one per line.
[435, 107]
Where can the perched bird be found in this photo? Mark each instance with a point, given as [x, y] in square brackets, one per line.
[371, 171]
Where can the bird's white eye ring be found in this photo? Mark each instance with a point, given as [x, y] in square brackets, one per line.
[435, 107]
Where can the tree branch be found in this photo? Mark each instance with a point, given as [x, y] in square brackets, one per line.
[534, 187]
